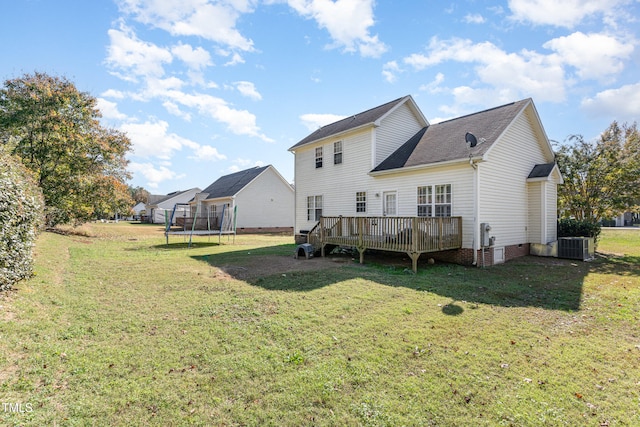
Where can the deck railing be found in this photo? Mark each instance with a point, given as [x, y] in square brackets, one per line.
[413, 235]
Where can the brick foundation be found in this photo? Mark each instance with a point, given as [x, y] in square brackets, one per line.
[464, 256]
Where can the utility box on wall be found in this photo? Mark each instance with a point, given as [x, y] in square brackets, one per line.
[582, 248]
[485, 239]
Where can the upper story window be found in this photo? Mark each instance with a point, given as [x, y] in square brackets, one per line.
[361, 201]
[337, 152]
[434, 200]
[318, 157]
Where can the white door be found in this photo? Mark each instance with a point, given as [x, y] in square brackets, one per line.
[390, 203]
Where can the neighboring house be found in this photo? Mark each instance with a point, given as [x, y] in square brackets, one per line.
[260, 196]
[390, 162]
[138, 209]
[159, 207]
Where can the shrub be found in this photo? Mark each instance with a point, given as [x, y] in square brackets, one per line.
[579, 228]
[21, 206]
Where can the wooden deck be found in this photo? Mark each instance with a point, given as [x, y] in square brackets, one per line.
[412, 235]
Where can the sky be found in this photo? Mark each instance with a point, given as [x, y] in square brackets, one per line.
[204, 88]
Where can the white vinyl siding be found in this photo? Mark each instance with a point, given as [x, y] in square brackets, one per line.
[267, 201]
[337, 184]
[535, 211]
[460, 177]
[552, 210]
[504, 198]
[395, 130]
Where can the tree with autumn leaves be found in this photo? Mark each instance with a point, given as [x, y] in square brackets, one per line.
[601, 177]
[55, 131]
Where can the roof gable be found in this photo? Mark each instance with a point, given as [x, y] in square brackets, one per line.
[230, 185]
[445, 141]
[156, 199]
[368, 117]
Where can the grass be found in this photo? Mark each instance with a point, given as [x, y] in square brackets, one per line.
[118, 329]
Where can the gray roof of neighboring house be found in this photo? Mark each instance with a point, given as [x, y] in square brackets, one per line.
[156, 199]
[445, 141]
[230, 185]
[351, 122]
[541, 171]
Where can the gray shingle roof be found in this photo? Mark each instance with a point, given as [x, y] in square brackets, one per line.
[156, 199]
[351, 122]
[541, 171]
[230, 185]
[445, 141]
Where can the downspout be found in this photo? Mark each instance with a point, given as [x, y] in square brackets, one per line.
[476, 211]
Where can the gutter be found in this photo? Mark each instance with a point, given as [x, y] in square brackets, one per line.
[476, 210]
[476, 159]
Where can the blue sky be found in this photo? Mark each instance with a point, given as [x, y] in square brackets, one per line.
[204, 88]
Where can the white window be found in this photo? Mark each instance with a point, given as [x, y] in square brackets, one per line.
[434, 200]
[337, 152]
[443, 200]
[318, 157]
[425, 200]
[314, 208]
[361, 201]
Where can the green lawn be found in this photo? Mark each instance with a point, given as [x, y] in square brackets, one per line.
[118, 329]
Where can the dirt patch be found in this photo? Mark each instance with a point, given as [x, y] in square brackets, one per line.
[268, 265]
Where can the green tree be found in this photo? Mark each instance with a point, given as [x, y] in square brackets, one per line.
[602, 177]
[21, 207]
[55, 130]
[139, 194]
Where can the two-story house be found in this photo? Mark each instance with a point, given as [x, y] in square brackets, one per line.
[493, 169]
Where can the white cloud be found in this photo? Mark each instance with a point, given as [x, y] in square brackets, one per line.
[207, 153]
[315, 121]
[594, 55]
[248, 89]
[150, 139]
[135, 56]
[196, 59]
[236, 59]
[154, 175]
[620, 104]
[475, 18]
[240, 122]
[112, 93]
[566, 13]
[109, 110]
[215, 21]
[526, 73]
[241, 164]
[390, 70]
[434, 86]
[347, 21]
[175, 110]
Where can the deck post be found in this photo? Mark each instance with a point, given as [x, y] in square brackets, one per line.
[414, 234]
[414, 260]
[440, 234]
[321, 237]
